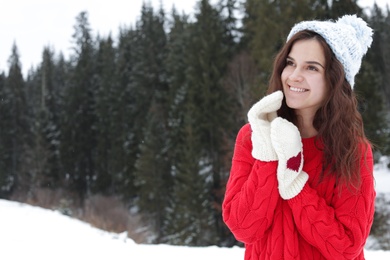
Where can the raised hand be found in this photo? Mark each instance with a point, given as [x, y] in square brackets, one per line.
[260, 116]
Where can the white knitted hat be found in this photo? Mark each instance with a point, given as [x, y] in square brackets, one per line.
[349, 38]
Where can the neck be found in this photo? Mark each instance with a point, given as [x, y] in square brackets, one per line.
[305, 126]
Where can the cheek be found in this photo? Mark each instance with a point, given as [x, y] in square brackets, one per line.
[321, 92]
[284, 75]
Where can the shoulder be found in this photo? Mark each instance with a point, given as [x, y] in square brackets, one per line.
[365, 150]
[366, 158]
[244, 135]
[245, 129]
[243, 143]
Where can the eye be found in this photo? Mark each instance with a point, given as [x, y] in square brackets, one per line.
[289, 63]
[313, 68]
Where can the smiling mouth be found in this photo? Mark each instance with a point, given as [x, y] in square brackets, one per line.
[294, 89]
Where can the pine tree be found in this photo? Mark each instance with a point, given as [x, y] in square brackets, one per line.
[386, 57]
[104, 84]
[51, 118]
[176, 65]
[188, 213]
[377, 57]
[385, 84]
[79, 124]
[60, 77]
[371, 103]
[123, 142]
[6, 178]
[150, 118]
[200, 113]
[42, 106]
[380, 50]
[18, 128]
[57, 174]
[190, 217]
[213, 116]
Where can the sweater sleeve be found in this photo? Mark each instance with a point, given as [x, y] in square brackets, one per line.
[251, 192]
[338, 230]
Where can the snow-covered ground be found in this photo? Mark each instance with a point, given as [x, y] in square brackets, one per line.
[28, 232]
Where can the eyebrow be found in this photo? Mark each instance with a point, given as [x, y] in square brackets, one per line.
[308, 62]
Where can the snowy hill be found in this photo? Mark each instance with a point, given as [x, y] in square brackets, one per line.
[28, 232]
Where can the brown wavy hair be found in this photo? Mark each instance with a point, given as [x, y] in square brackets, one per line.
[338, 121]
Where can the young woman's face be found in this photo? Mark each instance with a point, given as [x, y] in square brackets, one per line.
[303, 78]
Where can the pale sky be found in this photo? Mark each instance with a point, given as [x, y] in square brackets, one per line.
[34, 24]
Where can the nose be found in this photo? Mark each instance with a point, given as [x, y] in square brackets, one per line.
[296, 75]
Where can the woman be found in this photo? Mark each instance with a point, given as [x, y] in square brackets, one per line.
[301, 183]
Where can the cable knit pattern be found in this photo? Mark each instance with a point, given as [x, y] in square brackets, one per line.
[321, 222]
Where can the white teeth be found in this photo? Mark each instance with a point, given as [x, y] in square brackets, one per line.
[297, 89]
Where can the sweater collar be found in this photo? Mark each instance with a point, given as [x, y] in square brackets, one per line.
[312, 144]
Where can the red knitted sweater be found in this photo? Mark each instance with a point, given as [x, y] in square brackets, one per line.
[321, 222]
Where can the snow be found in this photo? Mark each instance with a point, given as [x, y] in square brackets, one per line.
[28, 232]
[382, 175]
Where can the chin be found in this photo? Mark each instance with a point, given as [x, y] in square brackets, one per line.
[292, 104]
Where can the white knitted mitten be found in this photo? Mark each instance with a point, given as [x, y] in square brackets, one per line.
[259, 117]
[288, 146]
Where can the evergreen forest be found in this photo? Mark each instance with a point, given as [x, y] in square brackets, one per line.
[148, 120]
